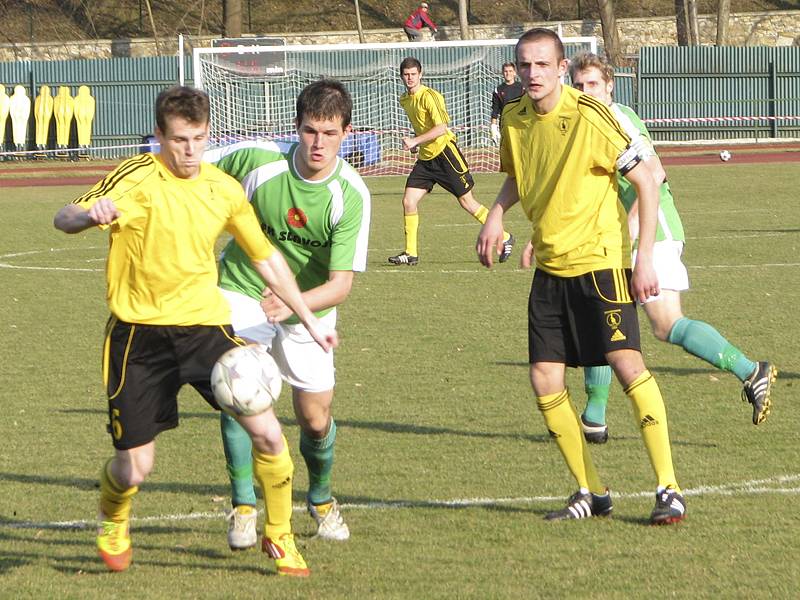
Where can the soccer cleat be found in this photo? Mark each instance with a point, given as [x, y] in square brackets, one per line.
[404, 258]
[114, 544]
[594, 433]
[508, 246]
[330, 524]
[756, 390]
[583, 506]
[242, 527]
[288, 559]
[670, 508]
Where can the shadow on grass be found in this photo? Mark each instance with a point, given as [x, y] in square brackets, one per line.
[84, 484]
[87, 563]
[408, 428]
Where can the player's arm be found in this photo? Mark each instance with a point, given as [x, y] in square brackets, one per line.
[331, 293]
[645, 282]
[490, 238]
[100, 205]
[409, 143]
[494, 125]
[74, 218]
[272, 267]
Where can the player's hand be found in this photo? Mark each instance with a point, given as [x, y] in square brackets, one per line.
[104, 211]
[327, 338]
[644, 282]
[410, 144]
[490, 240]
[495, 131]
[275, 309]
[526, 258]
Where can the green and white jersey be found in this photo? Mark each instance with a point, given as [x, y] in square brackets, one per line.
[669, 222]
[318, 226]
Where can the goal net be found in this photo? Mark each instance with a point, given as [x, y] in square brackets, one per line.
[253, 90]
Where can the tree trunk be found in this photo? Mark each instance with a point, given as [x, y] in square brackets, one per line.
[681, 25]
[463, 21]
[153, 26]
[691, 14]
[723, 15]
[358, 24]
[610, 33]
[232, 18]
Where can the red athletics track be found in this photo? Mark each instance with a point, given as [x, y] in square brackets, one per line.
[73, 174]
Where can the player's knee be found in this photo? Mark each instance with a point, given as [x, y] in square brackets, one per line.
[661, 333]
[267, 445]
[317, 426]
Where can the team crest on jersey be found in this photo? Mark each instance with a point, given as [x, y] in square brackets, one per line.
[563, 125]
[614, 320]
[296, 218]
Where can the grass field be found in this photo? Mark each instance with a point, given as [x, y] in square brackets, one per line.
[444, 466]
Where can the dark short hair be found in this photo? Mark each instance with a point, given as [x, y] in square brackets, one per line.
[539, 33]
[182, 101]
[587, 60]
[510, 64]
[325, 99]
[409, 62]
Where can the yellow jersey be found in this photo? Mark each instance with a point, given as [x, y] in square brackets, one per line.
[161, 267]
[564, 163]
[425, 109]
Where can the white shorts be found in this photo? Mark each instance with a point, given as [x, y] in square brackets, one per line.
[303, 364]
[670, 270]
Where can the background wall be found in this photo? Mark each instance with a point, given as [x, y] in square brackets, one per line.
[774, 28]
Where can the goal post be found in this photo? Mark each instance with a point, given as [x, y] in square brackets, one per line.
[253, 90]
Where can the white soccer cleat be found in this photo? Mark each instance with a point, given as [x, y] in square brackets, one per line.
[242, 527]
[330, 523]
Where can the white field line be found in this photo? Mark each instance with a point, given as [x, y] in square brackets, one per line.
[744, 488]
[387, 269]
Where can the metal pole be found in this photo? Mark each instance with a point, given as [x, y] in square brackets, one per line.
[180, 59]
[773, 90]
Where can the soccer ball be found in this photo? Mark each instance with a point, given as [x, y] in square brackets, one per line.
[246, 380]
[724, 156]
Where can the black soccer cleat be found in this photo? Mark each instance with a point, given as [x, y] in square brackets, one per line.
[670, 508]
[583, 506]
[508, 246]
[757, 388]
[404, 258]
[594, 433]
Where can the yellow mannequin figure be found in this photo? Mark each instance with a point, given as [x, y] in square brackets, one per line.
[62, 108]
[84, 114]
[20, 113]
[5, 106]
[43, 113]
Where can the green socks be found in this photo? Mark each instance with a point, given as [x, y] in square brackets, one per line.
[318, 455]
[597, 383]
[239, 459]
[702, 340]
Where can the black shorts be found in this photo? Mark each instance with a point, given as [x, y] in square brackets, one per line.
[448, 169]
[144, 366]
[578, 320]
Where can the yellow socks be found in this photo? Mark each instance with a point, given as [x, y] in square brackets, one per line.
[411, 224]
[562, 422]
[649, 409]
[115, 501]
[274, 475]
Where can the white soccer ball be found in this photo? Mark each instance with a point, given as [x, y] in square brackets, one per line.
[724, 156]
[246, 380]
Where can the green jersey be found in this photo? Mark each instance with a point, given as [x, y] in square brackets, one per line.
[669, 222]
[318, 226]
